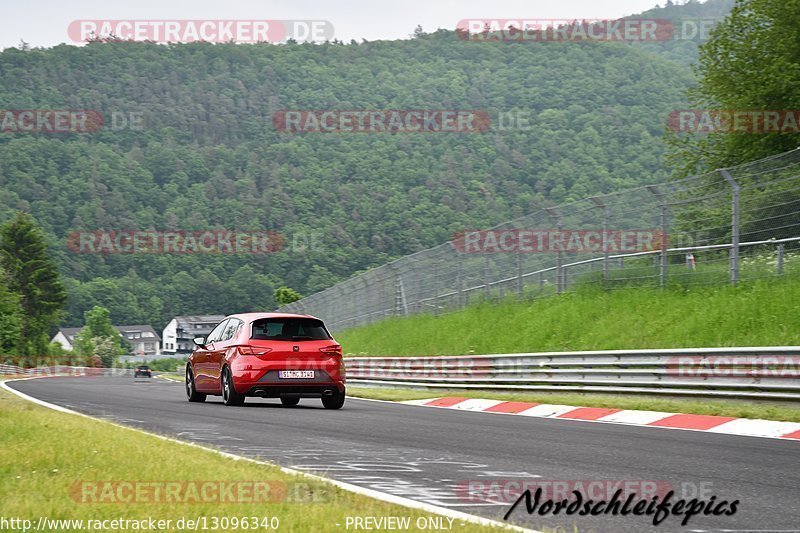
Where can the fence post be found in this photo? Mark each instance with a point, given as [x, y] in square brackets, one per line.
[780, 259]
[400, 299]
[662, 200]
[459, 285]
[519, 275]
[486, 284]
[556, 216]
[736, 188]
[436, 287]
[599, 203]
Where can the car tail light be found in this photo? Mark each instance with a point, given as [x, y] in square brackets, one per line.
[333, 349]
[250, 350]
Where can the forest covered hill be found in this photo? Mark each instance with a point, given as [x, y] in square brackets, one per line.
[208, 155]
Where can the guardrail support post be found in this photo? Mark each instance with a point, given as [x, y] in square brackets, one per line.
[736, 189]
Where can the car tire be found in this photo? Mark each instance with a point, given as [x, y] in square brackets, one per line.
[334, 401]
[229, 394]
[191, 392]
[290, 401]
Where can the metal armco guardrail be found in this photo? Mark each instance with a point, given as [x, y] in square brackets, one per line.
[767, 373]
[64, 370]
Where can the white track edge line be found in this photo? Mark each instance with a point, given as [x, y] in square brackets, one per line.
[370, 493]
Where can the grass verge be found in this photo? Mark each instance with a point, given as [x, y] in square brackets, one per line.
[51, 462]
[758, 313]
[734, 408]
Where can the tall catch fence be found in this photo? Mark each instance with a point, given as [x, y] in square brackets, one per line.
[731, 225]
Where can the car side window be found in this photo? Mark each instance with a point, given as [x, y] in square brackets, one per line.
[230, 329]
[216, 333]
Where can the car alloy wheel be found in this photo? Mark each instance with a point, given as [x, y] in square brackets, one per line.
[191, 392]
[229, 394]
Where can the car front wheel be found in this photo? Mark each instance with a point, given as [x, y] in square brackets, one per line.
[191, 392]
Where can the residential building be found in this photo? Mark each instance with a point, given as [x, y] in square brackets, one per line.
[66, 337]
[143, 338]
[179, 332]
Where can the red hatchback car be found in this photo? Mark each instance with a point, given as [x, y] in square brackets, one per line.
[269, 355]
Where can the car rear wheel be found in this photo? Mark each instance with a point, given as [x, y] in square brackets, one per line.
[334, 401]
[229, 394]
[290, 401]
[191, 392]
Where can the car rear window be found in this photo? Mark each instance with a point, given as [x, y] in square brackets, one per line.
[296, 329]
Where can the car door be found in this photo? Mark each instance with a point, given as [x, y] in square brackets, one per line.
[203, 360]
[217, 353]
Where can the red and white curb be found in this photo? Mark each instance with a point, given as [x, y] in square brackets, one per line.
[715, 424]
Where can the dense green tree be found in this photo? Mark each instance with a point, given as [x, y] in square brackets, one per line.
[751, 62]
[10, 317]
[99, 337]
[106, 349]
[33, 275]
[285, 295]
[567, 120]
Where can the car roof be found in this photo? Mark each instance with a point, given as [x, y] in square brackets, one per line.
[249, 317]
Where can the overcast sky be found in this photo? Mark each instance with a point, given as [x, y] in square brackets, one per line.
[44, 22]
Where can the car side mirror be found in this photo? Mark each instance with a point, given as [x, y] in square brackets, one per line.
[200, 341]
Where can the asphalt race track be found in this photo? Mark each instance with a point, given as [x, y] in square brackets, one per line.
[425, 453]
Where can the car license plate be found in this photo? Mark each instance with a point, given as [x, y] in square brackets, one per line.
[295, 374]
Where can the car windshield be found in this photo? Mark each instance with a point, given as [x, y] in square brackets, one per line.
[143, 368]
[289, 329]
